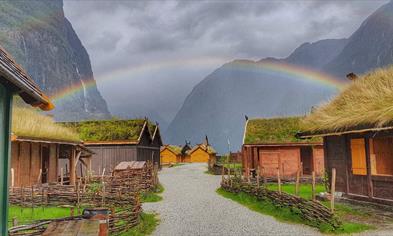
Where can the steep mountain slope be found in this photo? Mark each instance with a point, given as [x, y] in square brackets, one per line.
[216, 106]
[43, 41]
[371, 46]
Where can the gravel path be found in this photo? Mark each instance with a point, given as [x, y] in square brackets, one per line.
[192, 207]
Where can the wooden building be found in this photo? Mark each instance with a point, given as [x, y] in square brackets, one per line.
[357, 134]
[13, 80]
[115, 141]
[38, 148]
[171, 154]
[270, 145]
[201, 153]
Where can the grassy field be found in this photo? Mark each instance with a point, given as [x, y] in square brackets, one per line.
[147, 225]
[26, 215]
[153, 196]
[304, 189]
[285, 215]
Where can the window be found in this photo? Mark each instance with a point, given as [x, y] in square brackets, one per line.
[381, 156]
[358, 153]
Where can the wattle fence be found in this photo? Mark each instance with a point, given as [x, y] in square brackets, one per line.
[311, 211]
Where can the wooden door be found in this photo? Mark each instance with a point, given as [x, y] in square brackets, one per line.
[270, 161]
[306, 157]
[45, 164]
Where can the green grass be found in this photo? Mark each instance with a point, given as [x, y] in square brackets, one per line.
[304, 189]
[233, 165]
[176, 165]
[25, 215]
[146, 226]
[285, 215]
[152, 196]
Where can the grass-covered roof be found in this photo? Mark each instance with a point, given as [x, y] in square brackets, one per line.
[110, 130]
[207, 148]
[174, 148]
[366, 103]
[28, 123]
[274, 130]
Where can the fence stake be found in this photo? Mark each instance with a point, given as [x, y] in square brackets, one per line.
[313, 186]
[258, 177]
[61, 176]
[333, 189]
[39, 176]
[264, 176]
[297, 182]
[279, 180]
[12, 179]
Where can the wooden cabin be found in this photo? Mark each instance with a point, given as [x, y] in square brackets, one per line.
[115, 141]
[270, 145]
[170, 154]
[201, 153]
[13, 81]
[357, 134]
[39, 147]
[174, 154]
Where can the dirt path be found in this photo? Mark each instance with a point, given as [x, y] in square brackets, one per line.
[192, 207]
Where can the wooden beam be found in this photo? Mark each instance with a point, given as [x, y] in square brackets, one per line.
[72, 167]
[347, 156]
[368, 165]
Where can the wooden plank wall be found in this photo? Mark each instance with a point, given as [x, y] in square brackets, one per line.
[26, 161]
[335, 150]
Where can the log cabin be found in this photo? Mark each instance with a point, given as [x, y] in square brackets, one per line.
[13, 81]
[357, 131]
[201, 153]
[170, 154]
[270, 145]
[115, 141]
[38, 148]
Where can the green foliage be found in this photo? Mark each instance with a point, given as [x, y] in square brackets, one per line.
[26, 215]
[146, 226]
[304, 189]
[107, 130]
[276, 130]
[152, 196]
[287, 215]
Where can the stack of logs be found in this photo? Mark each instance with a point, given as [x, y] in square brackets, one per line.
[311, 211]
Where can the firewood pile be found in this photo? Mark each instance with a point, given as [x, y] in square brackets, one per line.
[312, 211]
[112, 192]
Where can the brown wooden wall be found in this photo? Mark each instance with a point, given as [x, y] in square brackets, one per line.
[108, 156]
[287, 158]
[26, 161]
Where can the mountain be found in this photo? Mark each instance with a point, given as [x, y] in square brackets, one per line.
[217, 105]
[369, 47]
[43, 41]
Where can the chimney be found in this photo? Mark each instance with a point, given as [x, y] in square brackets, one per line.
[352, 76]
[207, 141]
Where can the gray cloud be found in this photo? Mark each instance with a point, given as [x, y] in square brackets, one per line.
[134, 34]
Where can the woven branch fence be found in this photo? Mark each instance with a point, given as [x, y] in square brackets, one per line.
[312, 211]
[112, 192]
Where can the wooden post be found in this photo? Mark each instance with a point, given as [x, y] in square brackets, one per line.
[61, 176]
[297, 182]
[78, 188]
[279, 180]
[40, 176]
[12, 179]
[14, 222]
[313, 186]
[301, 169]
[333, 189]
[264, 176]
[258, 177]
[72, 168]
[72, 210]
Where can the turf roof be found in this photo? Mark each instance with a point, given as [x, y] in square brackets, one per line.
[28, 123]
[274, 130]
[175, 149]
[110, 130]
[366, 103]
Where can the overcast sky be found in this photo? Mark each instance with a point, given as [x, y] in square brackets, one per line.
[151, 46]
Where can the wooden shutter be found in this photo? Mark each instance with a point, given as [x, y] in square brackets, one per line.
[358, 153]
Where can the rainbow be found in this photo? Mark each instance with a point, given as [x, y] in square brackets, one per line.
[278, 69]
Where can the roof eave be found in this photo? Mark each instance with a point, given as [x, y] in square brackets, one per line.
[37, 97]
